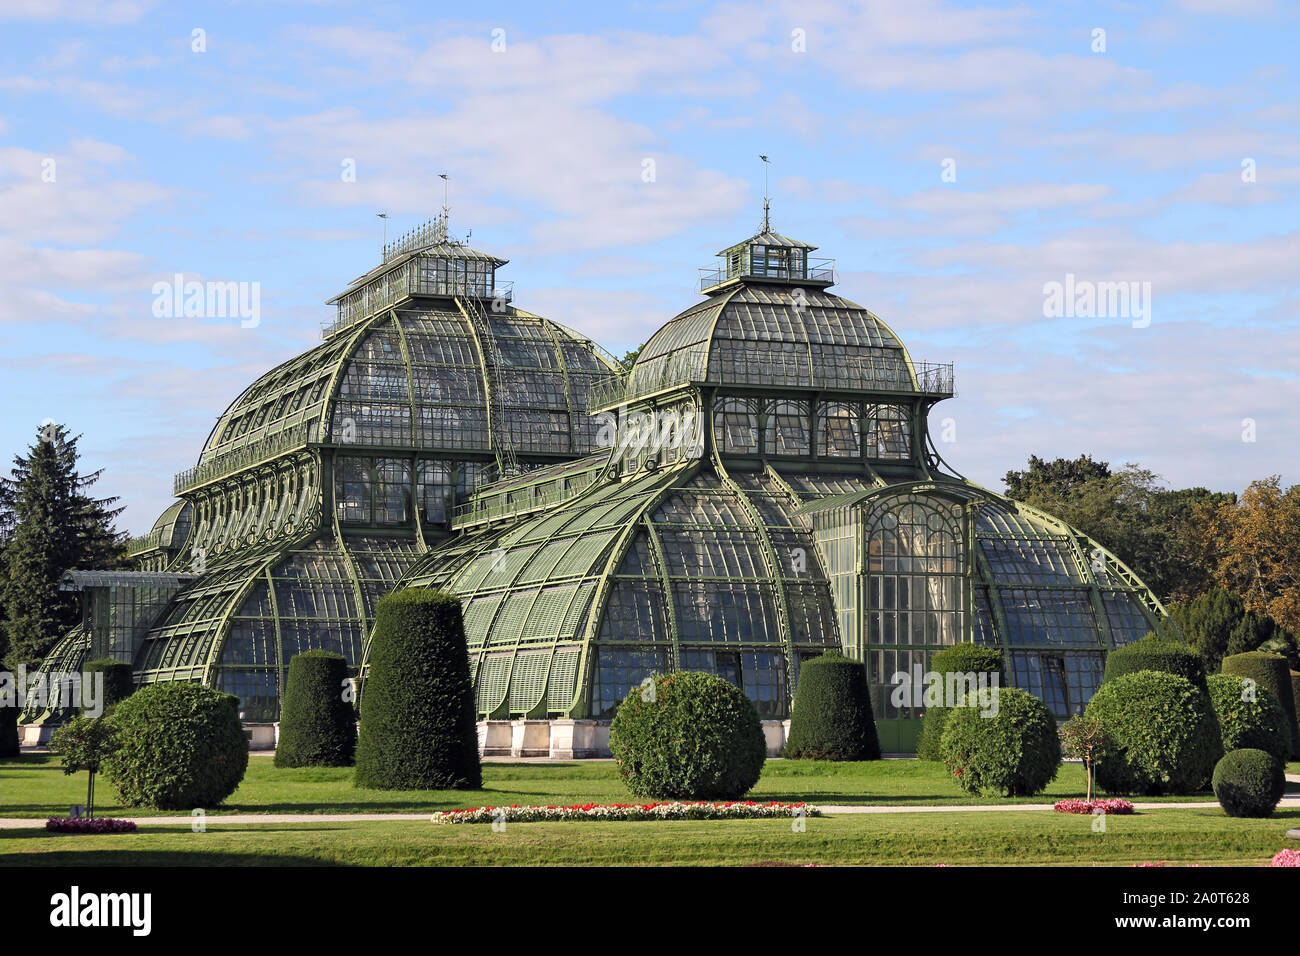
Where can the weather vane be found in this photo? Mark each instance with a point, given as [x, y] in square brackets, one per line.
[766, 198]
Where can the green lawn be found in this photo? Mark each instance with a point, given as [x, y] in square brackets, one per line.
[34, 785]
[1003, 838]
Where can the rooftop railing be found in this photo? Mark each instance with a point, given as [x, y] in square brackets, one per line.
[504, 504]
[428, 233]
[817, 270]
[875, 373]
[144, 542]
[676, 371]
[409, 280]
[934, 378]
[221, 466]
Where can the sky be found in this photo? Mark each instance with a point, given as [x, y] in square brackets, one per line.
[964, 164]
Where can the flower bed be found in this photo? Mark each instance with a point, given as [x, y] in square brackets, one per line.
[83, 825]
[739, 810]
[1093, 806]
[1286, 858]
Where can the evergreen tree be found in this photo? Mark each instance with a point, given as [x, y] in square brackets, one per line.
[50, 524]
[1217, 625]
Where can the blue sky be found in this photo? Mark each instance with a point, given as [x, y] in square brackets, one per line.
[225, 163]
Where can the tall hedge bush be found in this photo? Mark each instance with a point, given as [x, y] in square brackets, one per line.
[180, 746]
[1245, 723]
[831, 718]
[1163, 732]
[9, 731]
[418, 716]
[119, 679]
[688, 735]
[958, 659]
[1014, 752]
[1153, 654]
[317, 722]
[1270, 672]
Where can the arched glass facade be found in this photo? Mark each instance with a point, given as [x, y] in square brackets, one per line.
[759, 488]
[812, 515]
[328, 477]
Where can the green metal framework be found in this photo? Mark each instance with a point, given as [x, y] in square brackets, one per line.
[760, 487]
[327, 478]
[809, 511]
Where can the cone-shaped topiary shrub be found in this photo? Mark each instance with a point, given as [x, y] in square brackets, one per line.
[418, 729]
[1164, 735]
[1248, 719]
[958, 659]
[1270, 672]
[688, 736]
[8, 731]
[1248, 783]
[119, 679]
[180, 746]
[1011, 748]
[317, 723]
[1153, 654]
[831, 718]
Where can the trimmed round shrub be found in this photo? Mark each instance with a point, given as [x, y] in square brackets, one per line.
[1269, 671]
[9, 731]
[1014, 752]
[688, 735]
[418, 715]
[119, 679]
[1164, 735]
[958, 659]
[180, 746]
[1248, 783]
[831, 718]
[1258, 724]
[318, 726]
[1153, 654]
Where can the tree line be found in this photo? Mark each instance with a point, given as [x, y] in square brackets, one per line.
[1226, 566]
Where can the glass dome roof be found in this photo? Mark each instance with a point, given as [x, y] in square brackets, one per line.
[813, 512]
[773, 335]
[417, 376]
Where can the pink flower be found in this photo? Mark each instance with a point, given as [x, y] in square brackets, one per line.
[1093, 806]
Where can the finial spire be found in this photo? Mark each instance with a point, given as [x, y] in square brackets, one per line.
[767, 203]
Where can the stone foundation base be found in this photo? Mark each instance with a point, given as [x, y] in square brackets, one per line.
[575, 739]
[556, 739]
[35, 735]
[262, 736]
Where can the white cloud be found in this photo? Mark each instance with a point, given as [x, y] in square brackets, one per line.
[74, 11]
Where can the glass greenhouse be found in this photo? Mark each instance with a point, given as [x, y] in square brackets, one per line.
[772, 491]
[325, 481]
[760, 487]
